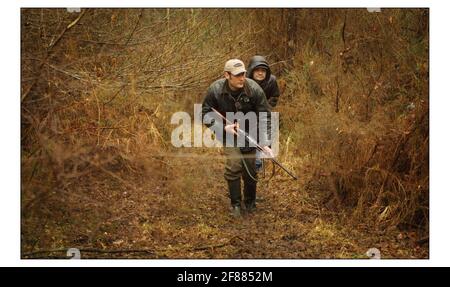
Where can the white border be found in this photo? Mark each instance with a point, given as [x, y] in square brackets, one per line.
[10, 149]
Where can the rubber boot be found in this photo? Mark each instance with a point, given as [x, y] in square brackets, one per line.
[234, 188]
[250, 195]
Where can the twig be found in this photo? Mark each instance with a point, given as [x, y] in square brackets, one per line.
[91, 250]
[75, 76]
[115, 251]
[135, 27]
[209, 246]
[423, 240]
[49, 52]
[343, 30]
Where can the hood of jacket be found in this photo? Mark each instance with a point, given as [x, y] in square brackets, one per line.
[258, 61]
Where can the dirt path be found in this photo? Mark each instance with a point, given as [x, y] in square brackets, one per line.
[187, 216]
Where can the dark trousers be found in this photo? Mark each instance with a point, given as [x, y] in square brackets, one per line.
[235, 169]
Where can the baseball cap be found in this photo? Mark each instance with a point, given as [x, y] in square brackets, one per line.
[235, 66]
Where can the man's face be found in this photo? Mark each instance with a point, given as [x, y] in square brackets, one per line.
[235, 82]
[259, 74]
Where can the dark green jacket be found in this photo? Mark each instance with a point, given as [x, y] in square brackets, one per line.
[251, 99]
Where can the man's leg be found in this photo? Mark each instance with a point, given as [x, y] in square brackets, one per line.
[249, 176]
[233, 171]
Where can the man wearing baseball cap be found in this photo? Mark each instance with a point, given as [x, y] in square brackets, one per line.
[236, 93]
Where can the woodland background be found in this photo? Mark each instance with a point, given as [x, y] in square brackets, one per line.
[98, 171]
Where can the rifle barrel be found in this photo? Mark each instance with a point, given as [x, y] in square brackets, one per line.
[250, 140]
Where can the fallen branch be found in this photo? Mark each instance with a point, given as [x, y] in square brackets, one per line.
[91, 250]
[115, 251]
[423, 240]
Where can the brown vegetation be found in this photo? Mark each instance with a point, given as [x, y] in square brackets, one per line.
[99, 173]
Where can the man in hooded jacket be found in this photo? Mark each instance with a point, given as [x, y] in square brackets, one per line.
[259, 71]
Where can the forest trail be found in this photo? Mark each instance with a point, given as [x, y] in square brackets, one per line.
[188, 217]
